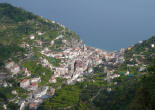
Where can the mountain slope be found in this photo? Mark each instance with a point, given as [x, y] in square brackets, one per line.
[17, 25]
[134, 89]
[23, 36]
[38, 58]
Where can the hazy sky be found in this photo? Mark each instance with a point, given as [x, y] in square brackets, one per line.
[105, 24]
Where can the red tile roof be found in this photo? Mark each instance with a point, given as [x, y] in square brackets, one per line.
[25, 80]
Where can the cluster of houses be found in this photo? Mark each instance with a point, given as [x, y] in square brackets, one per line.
[36, 93]
[12, 67]
[75, 62]
[30, 84]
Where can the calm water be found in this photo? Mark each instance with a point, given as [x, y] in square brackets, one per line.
[105, 24]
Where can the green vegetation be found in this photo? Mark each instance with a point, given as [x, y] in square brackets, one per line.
[67, 97]
[55, 62]
[58, 84]
[38, 70]
[145, 94]
[10, 52]
[10, 12]
[130, 93]
[141, 51]
[5, 95]
[16, 26]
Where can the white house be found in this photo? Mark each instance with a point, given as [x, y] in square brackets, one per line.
[25, 83]
[52, 79]
[52, 91]
[61, 70]
[5, 107]
[53, 22]
[35, 80]
[22, 106]
[59, 37]
[90, 70]
[14, 92]
[42, 91]
[152, 45]
[9, 65]
[15, 69]
[32, 37]
[69, 81]
[33, 86]
[127, 73]
[52, 42]
[39, 33]
[114, 76]
[27, 72]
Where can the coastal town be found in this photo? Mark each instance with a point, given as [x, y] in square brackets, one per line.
[76, 62]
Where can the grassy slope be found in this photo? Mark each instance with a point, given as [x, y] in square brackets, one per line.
[16, 25]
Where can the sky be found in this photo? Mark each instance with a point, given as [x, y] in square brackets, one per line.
[104, 24]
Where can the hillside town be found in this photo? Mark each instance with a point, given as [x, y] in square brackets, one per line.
[76, 62]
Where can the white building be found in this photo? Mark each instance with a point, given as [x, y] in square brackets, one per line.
[9, 65]
[14, 92]
[41, 92]
[114, 76]
[59, 37]
[22, 106]
[25, 83]
[32, 37]
[33, 86]
[52, 42]
[61, 70]
[15, 69]
[35, 80]
[5, 107]
[52, 91]
[90, 70]
[53, 22]
[52, 79]
[152, 45]
[39, 33]
[127, 73]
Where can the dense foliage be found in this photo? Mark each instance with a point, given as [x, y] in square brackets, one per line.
[145, 95]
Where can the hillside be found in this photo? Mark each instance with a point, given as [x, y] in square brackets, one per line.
[133, 89]
[143, 51]
[124, 86]
[22, 37]
[18, 25]
[45, 66]
[38, 57]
